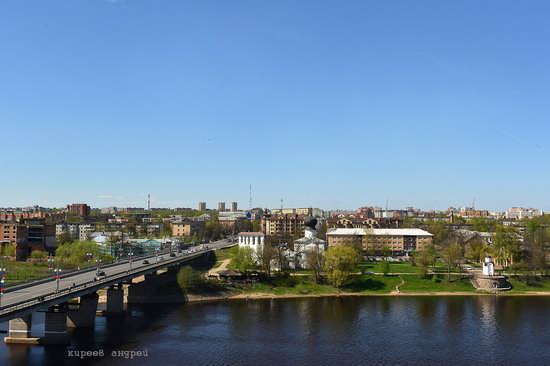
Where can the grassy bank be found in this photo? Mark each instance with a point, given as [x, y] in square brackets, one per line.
[19, 272]
[402, 267]
[435, 283]
[224, 254]
[402, 274]
[541, 285]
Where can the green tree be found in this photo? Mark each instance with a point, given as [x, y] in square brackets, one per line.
[244, 259]
[340, 263]
[213, 230]
[536, 242]
[506, 246]
[64, 238]
[452, 255]
[8, 250]
[439, 230]
[38, 254]
[189, 279]
[75, 254]
[385, 267]
[166, 229]
[256, 226]
[265, 254]
[423, 260]
[315, 260]
[476, 249]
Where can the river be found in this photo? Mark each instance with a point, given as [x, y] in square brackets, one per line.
[313, 331]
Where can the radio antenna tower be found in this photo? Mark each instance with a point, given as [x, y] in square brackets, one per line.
[250, 197]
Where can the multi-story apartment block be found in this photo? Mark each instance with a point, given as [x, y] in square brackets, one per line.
[293, 211]
[360, 221]
[201, 206]
[234, 207]
[28, 235]
[185, 228]
[16, 215]
[231, 219]
[221, 206]
[79, 209]
[283, 225]
[399, 241]
[518, 213]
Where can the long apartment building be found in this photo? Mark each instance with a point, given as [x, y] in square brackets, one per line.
[80, 232]
[518, 213]
[399, 241]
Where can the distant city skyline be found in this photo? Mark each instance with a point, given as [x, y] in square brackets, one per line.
[241, 207]
[427, 104]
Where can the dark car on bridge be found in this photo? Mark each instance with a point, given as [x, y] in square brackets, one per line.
[99, 275]
[145, 261]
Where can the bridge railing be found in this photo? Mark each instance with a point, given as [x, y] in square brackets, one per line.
[74, 272]
[63, 292]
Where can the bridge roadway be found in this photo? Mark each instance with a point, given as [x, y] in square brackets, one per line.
[23, 301]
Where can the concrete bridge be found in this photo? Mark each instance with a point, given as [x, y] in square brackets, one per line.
[57, 300]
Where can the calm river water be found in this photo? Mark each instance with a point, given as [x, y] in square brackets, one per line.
[326, 331]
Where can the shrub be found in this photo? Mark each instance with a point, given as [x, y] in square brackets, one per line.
[38, 254]
[385, 267]
[189, 279]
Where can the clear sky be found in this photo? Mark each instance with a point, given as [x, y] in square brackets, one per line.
[331, 104]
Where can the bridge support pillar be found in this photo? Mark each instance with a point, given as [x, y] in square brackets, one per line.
[115, 301]
[55, 326]
[157, 289]
[82, 315]
[19, 331]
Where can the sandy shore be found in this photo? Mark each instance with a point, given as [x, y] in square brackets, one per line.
[259, 296]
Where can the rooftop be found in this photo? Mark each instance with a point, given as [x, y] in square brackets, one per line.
[381, 232]
[252, 233]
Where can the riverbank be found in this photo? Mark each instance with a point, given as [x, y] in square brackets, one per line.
[240, 296]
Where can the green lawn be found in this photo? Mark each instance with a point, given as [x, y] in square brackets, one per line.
[223, 254]
[302, 288]
[375, 284]
[401, 267]
[542, 285]
[413, 283]
[18, 272]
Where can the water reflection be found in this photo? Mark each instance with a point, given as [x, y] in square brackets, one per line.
[356, 330]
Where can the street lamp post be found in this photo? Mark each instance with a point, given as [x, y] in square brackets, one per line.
[2, 274]
[50, 264]
[130, 258]
[57, 276]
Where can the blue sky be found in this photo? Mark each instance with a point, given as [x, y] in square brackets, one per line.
[328, 104]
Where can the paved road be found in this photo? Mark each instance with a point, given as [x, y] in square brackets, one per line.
[50, 287]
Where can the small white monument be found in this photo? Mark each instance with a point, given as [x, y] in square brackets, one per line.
[488, 266]
[489, 280]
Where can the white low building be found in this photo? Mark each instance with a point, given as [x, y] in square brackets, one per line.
[305, 246]
[253, 240]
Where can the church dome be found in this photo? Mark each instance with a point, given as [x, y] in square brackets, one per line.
[310, 222]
